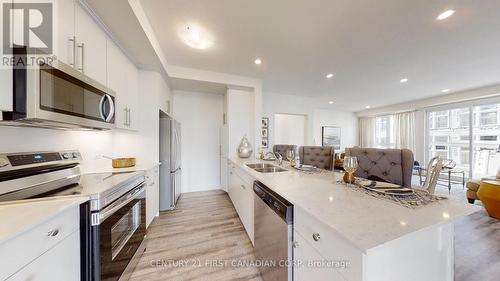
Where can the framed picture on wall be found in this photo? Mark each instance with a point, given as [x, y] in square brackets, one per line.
[265, 143]
[330, 136]
[265, 122]
[265, 132]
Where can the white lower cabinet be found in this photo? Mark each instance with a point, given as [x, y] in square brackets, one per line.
[309, 263]
[240, 189]
[329, 246]
[152, 194]
[49, 251]
[60, 263]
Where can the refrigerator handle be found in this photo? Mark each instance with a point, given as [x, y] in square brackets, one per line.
[176, 141]
[173, 147]
[173, 190]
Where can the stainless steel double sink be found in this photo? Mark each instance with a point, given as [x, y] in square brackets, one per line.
[266, 168]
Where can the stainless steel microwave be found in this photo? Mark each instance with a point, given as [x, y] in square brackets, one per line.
[58, 96]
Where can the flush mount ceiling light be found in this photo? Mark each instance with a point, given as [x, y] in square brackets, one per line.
[196, 37]
[257, 61]
[329, 75]
[403, 80]
[445, 14]
[367, 107]
[445, 90]
[330, 102]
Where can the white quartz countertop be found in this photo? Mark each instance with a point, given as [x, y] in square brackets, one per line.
[19, 216]
[364, 221]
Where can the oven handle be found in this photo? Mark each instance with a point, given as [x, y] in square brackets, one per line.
[122, 201]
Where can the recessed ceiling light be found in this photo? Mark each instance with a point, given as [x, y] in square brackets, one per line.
[258, 61]
[196, 37]
[445, 14]
[329, 75]
[445, 90]
[367, 107]
[403, 80]
[330, 102]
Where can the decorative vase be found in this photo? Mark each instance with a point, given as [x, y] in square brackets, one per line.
[245, 148]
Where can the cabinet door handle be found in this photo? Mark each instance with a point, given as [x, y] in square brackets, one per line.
[73, 42]
[129, 119]
[316, 237]
[295, 244]
[53, 232]
[82, 64]
[126, 117]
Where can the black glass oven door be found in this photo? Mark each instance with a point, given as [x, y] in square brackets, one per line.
[120, 236]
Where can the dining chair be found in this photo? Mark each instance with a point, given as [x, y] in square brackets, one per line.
[434, 169]
[389, 165]
[322, 157]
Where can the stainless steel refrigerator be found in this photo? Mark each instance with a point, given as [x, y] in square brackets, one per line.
[170, 158]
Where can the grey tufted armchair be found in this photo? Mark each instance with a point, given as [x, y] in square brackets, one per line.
[391, 165]
[322, 157]
[283, 148]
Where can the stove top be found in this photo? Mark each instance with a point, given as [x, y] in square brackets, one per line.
[55, 174]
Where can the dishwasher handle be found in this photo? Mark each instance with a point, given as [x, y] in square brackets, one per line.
[278, 204]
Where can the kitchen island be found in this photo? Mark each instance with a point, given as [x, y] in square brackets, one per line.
[362, 237]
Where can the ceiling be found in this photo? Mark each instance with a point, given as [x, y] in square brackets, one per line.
[197, 86]
[368, 45]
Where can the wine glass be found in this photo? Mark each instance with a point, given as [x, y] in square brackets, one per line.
[350, 165]
[290, 155]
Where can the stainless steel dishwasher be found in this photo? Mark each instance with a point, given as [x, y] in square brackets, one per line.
[273, 234]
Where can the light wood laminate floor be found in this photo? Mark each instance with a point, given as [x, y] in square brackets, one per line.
[205, 228]
[203, 239]
[477, 248]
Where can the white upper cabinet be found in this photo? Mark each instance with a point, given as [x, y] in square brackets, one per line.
[6, 90]
[81, 43]
[90, 46]
[123, 78]
[64, 24]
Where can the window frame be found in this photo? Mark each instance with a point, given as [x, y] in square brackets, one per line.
[473, 118]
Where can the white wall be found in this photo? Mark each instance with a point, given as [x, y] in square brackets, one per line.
[142, 144]
[290, 129]
[318, 114]
[347, 122]
[200, 115]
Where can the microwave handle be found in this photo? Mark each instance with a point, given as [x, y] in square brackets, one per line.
[111, 108]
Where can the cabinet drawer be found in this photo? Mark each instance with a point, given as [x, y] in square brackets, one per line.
[246, 178]
[29, 245]
[306, 263]
[329, 245]
[60, 263]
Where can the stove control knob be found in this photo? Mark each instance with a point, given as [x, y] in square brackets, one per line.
[66, 155]
[76, 155]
